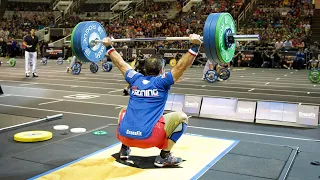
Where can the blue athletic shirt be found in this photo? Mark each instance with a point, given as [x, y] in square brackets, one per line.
[300, 55]
[148, 96]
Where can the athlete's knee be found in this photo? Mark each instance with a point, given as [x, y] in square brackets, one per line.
[183, 117]
[176, 125]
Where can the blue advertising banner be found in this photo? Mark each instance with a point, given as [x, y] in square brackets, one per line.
[219, 108]
[169, 102]
[277, 111]
[263, 110]
[192, 105]
[246, 111]
[290, 112]
[308, 115]
[178, 101]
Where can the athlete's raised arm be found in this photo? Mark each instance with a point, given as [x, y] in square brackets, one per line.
[115, 56]
[187, 60]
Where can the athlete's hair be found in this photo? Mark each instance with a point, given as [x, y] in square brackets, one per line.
[153, 65]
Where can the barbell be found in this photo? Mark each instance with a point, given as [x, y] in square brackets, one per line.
[219, 37]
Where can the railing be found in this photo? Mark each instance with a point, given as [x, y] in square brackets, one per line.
[186, 2]
[126, 12]
[116, 17]
[55, 3]
[240, 18]
[41, 33]
[58, 18]
[114, 3]
[141, 3]
[61, 42]
[247, 9]
[67, 10]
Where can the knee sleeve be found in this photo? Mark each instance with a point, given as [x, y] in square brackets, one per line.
[177, 133]
[176, 124]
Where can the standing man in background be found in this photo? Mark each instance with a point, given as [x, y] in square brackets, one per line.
[31, 42]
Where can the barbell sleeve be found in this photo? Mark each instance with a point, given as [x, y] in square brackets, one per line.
[236, 37]
[246, 37]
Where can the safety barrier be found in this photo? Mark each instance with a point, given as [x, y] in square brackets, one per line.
[261, 112]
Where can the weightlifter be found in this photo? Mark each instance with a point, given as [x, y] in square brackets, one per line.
[31, 42]
[142, 123]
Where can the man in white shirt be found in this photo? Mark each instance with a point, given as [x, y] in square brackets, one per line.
[278, 45]
[287, 44]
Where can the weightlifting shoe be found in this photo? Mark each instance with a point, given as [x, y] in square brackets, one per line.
[124, 153]
[168, 161]
[35, 75]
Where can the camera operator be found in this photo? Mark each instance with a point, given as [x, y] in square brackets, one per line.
[139, 67]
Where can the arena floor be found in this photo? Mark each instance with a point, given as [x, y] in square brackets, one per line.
[237, 151]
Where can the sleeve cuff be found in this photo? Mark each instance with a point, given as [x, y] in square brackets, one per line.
[110, 49]
[192, 52]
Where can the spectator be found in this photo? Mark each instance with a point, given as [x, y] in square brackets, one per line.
[275, 56]
[287, 45]
[300, 57]
[314, 63]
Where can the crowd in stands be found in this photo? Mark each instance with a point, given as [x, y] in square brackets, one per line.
[16, 25]
[281, 24]
[25, 17]
[153, 22]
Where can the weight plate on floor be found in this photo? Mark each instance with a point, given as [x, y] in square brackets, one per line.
[173, 62]
[100, 133]
[78, 130]
[211, 76]
[314, 76]
[60, 61]
[60, 127]
[224, 73]
[106, 66]
[32, 136]
[76, 69]
[44, 61]
[94, 67]
[12, 62]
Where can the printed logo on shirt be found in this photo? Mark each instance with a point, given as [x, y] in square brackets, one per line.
[145, 93]
[134, 133]
[145, 81]
[132, 73]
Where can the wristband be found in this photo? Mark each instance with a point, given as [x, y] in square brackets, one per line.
[194, 49]
[110, 49]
